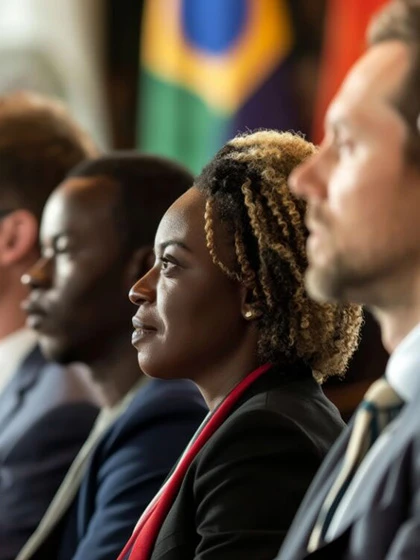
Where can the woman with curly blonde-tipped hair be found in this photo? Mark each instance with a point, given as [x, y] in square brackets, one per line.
[225, 306]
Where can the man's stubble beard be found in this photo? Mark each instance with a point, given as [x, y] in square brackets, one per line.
[368, 283]
[336, 282]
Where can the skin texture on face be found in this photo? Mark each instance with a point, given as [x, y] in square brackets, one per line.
[78, 300]
[190, 319]
[363, 197]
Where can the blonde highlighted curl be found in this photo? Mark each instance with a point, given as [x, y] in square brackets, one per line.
[245, 186]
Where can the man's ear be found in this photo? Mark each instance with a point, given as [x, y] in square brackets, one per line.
[250, 309]
[141, 261]
[18, 237]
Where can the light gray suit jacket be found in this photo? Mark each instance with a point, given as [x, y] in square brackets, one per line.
[384, 521]
[46, 413]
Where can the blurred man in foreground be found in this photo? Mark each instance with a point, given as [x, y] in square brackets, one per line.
[363, 190]
[97, 235]
[46, 412]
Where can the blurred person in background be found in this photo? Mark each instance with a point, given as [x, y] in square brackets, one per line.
[363, 193]
[96, 238]
[225, 306]
[46, 411]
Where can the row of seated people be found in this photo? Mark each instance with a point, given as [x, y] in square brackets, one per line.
[221, 306]
[210, 432]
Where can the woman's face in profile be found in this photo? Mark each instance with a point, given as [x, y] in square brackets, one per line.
[189, 319]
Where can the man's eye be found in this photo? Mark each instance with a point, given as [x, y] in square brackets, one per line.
[47, 254]
[62, 244]
[344, 146]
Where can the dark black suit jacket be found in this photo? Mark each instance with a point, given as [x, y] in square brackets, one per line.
[384, 520]
[127, 468]
[243, 488]
[46, 413]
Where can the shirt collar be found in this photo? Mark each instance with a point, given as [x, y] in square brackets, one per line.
[109, 414]
[403, 369]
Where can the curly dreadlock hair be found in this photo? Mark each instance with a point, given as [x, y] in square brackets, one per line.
[246, 189]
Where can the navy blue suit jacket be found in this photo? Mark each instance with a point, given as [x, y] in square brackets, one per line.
[46, 413]
[126, 470]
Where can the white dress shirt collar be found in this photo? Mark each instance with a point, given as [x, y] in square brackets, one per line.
[13, 350]
[403, 369]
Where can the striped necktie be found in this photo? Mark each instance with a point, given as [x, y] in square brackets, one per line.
[380, 405]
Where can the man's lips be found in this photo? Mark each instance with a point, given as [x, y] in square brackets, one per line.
[313, 225]
[35, 314]
[316, 229]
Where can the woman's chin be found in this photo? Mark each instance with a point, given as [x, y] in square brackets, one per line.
[152, 369]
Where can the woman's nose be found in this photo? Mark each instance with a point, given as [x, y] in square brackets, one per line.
[144, 289]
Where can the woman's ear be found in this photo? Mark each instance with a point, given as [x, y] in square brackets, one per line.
[141, 261]
[249, 305]
[18, 237]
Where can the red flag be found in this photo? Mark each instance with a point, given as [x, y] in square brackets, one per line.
[344, 41]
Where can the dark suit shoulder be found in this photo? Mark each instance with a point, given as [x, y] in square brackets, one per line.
[62, 383]
[128, 467]
[292, 402]
[244, 486]
[278, 420]
[41, 399]
[45, 417]
[156, 402]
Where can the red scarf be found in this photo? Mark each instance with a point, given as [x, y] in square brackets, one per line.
[144, 535]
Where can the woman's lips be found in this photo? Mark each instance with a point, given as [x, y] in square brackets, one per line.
[141, 331]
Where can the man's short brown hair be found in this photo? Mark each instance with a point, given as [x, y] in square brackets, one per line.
[400, 20]
[39, 144]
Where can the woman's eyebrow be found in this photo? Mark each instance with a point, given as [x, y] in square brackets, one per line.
[165, 244]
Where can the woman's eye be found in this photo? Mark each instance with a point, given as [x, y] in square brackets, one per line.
[166, 264]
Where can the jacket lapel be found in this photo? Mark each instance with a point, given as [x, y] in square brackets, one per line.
[376, 473]
[373, 477]
[13, 396]
[334, 549]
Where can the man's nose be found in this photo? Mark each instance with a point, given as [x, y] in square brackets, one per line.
[308, 180]
[39, 275]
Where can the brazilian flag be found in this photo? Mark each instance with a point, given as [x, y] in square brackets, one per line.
[202, 63]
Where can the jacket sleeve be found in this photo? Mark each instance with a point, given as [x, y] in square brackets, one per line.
[34, 469]
[131, 475]
[249, 484]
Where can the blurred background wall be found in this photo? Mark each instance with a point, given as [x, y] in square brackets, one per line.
[57, 47]
[179, 77]
[160, 74]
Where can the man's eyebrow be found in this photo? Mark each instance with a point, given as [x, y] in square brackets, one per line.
[58, 236]
[165, 244]
[335, 117]
[335, 123]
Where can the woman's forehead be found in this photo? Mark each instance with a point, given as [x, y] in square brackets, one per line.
[184, 219]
